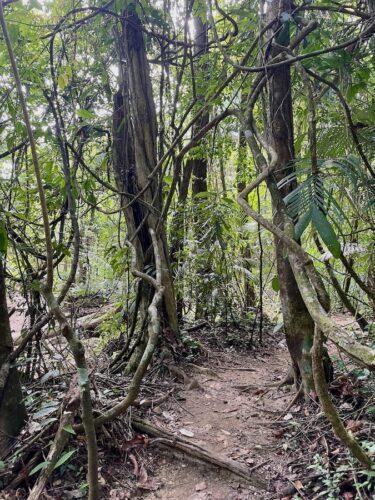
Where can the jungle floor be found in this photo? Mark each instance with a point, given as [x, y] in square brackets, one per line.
[226, 401]
[233, 413]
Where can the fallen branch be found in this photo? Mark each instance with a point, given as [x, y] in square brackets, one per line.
[169, 440]
[93, 320]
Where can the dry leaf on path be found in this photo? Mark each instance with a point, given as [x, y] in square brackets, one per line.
[186, 432]
[201, 486]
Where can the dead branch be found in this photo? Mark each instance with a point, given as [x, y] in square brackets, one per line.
[171, 441]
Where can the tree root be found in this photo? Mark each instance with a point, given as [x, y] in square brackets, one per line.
[190, 382]
[287, 380]
[204, 370]
[168, 440]
[148, 403]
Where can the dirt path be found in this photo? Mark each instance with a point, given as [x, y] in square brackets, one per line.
[226, 419]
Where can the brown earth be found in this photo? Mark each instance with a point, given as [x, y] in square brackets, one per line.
[232, 413]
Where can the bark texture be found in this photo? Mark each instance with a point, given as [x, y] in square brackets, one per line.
[12, 409]
[298, 325]
[134, 161]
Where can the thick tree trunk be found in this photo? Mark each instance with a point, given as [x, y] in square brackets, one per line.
[12, 409]
[134, 159]
[298, 324]
[199, 164]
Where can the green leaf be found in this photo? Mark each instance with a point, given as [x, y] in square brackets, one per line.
[326, 231]
[40, 466]
[62, 81]
[69, 428]
[64, 458]
[85, 114]
[302, 224]
[275, 283]
[3, 239]
[2, 465]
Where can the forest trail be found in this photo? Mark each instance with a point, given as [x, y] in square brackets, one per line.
[225, 418]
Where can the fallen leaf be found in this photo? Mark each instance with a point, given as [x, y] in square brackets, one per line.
[135, 464]
[353, 425]
[186, 432]
[118, 494]
[167, 416]
[149, 485]
[201, 486]
[288, 416]
[137, 441]
[346, 406]
[298, 484]
[143, 476]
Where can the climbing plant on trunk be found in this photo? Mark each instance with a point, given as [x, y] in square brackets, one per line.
[135, 162]
[298, 325]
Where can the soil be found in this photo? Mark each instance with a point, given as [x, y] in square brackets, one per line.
[232, 407]
[233, 413]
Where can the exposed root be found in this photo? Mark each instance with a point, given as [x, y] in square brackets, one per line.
[190, 382]
[148, 403]
[204, 370]
[169, 440]
[287, 380]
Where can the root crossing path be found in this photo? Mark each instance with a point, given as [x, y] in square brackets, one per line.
[235, 413]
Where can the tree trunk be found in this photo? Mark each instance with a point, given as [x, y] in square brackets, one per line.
[194, 170]
[298, 324]
[134, 159]
[12, 409]
[249, 289]
[199, 164]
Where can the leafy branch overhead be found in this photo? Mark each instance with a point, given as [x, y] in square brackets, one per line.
[187, 196]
